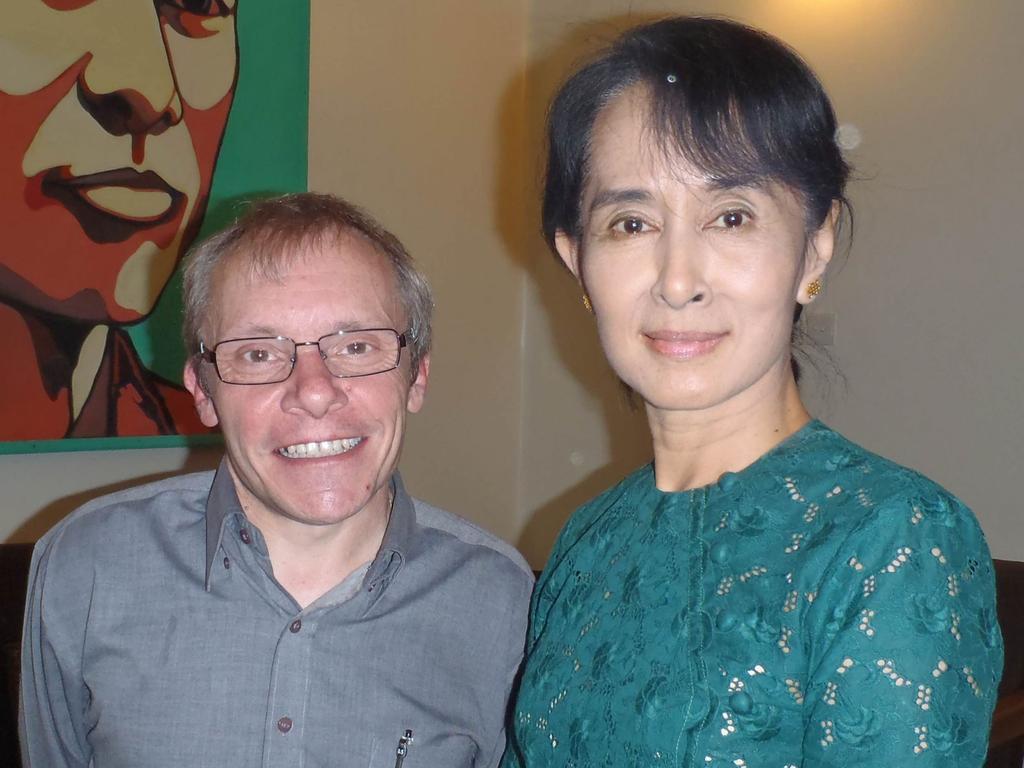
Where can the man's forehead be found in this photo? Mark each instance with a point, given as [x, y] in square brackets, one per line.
[268, 260]
[362, 287]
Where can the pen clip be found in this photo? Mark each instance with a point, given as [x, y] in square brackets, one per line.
[403, 748]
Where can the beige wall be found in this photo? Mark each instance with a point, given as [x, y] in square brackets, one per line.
[429, 114]
[416, 113]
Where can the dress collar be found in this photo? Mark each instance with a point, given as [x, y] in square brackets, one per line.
[729, 482]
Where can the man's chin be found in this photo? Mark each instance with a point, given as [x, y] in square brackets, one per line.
[324, 515]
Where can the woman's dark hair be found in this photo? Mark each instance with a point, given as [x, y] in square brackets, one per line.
[736, 103]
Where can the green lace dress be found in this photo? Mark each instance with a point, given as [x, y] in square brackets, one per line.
[823, 607]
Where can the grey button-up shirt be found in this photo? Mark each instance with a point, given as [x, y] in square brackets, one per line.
[156, 635]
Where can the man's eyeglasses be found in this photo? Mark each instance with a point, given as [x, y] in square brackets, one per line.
[270, 359]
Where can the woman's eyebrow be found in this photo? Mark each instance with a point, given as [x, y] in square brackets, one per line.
[618, 196]
[738, 183]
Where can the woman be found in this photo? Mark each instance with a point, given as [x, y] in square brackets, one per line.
[766, 592]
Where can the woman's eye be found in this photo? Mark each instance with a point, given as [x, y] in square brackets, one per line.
[631, 225]
[732, 219]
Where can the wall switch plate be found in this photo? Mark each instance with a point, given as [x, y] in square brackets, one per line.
[821, 327]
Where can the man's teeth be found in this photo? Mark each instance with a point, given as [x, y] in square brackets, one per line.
[319, 450]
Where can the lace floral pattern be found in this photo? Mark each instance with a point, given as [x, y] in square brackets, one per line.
[822, 607]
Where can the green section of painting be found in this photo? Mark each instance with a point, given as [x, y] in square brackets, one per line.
[263, 153]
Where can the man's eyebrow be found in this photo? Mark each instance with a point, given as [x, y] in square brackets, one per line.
[255, 332]
[359, 325]
[619, 196]
[266, 331]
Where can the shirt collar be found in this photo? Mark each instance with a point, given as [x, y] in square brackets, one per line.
[396, 547]
[222, 503]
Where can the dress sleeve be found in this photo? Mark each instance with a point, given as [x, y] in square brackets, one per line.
[559, 567]
[53, 695]
[540, 604]
[906, 653]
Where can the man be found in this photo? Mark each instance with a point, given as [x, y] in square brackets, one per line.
[297, 608]
[113, 114]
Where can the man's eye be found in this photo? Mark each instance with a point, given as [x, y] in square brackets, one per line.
[257, 356]
[630, 225]
[356, 348]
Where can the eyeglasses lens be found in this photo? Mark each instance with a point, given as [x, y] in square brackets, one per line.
[270, 359]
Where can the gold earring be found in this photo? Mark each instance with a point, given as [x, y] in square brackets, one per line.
[586, 303]
[814, 287]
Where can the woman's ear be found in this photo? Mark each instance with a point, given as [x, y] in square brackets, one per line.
[569, 252]
[820, 248]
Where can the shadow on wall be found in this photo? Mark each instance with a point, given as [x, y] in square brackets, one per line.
[517, 215]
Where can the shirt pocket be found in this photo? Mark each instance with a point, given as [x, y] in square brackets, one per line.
[435, 750]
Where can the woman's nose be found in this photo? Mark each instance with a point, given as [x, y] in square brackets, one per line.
[681, 278]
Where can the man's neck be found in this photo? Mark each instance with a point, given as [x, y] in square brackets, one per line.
[310, 560]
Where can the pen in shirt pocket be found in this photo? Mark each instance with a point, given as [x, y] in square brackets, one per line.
[403, 748]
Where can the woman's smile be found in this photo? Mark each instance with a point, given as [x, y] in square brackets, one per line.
[684, 345]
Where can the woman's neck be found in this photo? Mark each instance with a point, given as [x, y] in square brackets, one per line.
[695, 448]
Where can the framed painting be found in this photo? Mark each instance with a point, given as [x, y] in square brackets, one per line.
[128, 128]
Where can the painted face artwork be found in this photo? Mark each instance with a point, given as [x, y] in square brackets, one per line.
[112, 117]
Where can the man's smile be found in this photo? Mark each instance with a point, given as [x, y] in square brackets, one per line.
[319, 449]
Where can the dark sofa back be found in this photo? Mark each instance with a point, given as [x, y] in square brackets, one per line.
[14, 566]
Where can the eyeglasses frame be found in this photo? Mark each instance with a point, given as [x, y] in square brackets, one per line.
[209, 354]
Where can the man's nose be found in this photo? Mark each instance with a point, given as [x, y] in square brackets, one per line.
[128, 84]
[311, 387]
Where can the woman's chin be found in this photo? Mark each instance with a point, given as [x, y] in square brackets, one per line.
[686, 395]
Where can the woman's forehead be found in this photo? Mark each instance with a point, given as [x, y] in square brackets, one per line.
[630, 135]
[631, 159]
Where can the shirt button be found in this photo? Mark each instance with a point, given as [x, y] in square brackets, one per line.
[284, 724]
[295, 626]
[244, 536]
[227, 563]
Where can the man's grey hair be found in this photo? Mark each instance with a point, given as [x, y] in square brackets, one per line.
[274, 232]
